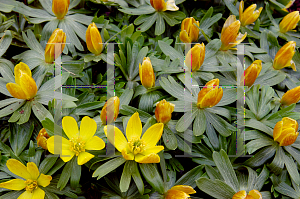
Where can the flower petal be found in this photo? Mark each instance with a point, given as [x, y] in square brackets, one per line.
[185, 188]
[88, 128]
[15, 90]
[70, 126]
[15, 184]
[127, 156]
[67, 155]
[153, 134]
[38, 194]
[255, 194]
[84, 157]
[26, 195]
[33, 170]
[154, 149]
[16, 167]
[44, 180]
[170, 5]
[289, 139]
[116, 137]
[20, 69]
[57, 140]
[240, 195]
[134, 127]
[151, 158]
[28, 85]
[95, 143]
[172, 194]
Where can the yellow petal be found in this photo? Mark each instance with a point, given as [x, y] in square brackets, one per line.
[54, 142]
[38, 194]
[70, 126]
[33, 170]
[170, 5]
[240, 195]
[44, 180]
[20, 69]
[153, 134]
[28, 85]
[289, 123]
[289, 139]
[154, 149]
[151, 158]
[116, 137]
[134, 127]
[211, 98]
[26, 195]
[67, 155]
[185, 188]
[95, 143]
[88, 128]
[127, 156]
[15, 184]
[176, 194]
[184, 37]
[255, 194]
[16, 167]
[16, 91]
[84, 157]
[96, 40]
[277, 130]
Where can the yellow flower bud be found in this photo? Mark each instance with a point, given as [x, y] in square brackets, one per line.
[253, 194]
[60, 8]
[93, 39]
[58, 36]
[111, 106]
[179, 192]
[195, 57]
[210, 95]
[283, 57]
[161, 5]
[25, 86]
[252, 72]
[147, 73]
[290, 97]
[289, 22]
[285, 131]
[250, 15]
[189, 31]
[230, 35]
[163, 111]
[42, 139]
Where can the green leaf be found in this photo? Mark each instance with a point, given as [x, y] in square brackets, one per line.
[170, 51]
[40, 111]
[47, 164]
[11, 108]
[137, 177]
[76, 171]
[143, 9]
[53, 83]
[65, 175]
[108, 167]
[292, 169]
[126, 176]
[32, 42]
[160, 25]
[269, 13]
[186, 120]
[169, 138]
[199, 123]
[128, 110]
[152, 176]
[212, 48]
[20, 136]
[231, 7]
[5, 41]
[148, 22]
[190, 177]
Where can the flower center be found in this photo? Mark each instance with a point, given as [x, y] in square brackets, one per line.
[31, 185]
[77, 145]
[136, 145]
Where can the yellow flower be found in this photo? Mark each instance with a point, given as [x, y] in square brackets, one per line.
[250, 15]
[180, 192]
[289, 22]
[290, 97]
[195, 57]
[252, 72]
[93, 39]
[58, 36]
[33, 179]
[147, 75]
[141, 149]
[60, 8]
[114, 103]
[253, 194]
[230, 35]
[283, 57]
[210, 95]
[161, 5]
[42, 138]
[163, 111]
[78, 141]
[285, 131]
[189, 31]
[25, 86]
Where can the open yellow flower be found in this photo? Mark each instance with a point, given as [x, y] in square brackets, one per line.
[253, 194]
[283, 57]
[60, 8]
[180, 192]
[230, 35]
[78, 141]
[249, 15]
[32, 180]
[93, 39]
[25, 86]
[291, 96]
[141, 149]
[252, 72]
[285, 131]
[161, 5]
[289, 22]
[189, 31]
[210, 95]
